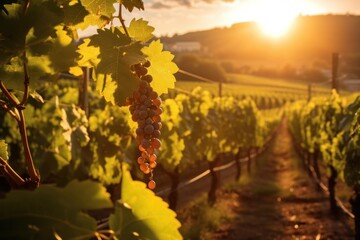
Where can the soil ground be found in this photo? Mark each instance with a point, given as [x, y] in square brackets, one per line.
[279, 201]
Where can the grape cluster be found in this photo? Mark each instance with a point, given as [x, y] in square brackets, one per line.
[145, 110]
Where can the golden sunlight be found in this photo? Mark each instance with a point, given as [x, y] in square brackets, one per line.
[276, 17]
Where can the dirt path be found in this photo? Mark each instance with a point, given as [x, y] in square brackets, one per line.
[279, 201]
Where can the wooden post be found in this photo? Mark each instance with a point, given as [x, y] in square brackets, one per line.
[335, 66]
[83, 101]
[238, 165]
[355, 204]
[173, 196]
[220, 89]
[309, 92]
[215, 180]
[331, 186]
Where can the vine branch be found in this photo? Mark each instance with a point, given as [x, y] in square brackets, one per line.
[13, 100]
[122, 20]
[7, 109]
[34, 175]
[26, 6]
[26, 82]
[11, 176]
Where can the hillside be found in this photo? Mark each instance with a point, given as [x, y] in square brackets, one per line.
[311, 37]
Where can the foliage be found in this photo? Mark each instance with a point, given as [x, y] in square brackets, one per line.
[39, 42]
[24, 214]
[199, 126]
[135, 218]
[331, 126]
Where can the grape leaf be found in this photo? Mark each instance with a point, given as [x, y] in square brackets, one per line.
[162, 67]
[5, 2]
[140, 30]
[106, 87]
[43, 16]
[117, 54]
[15, 27]
[3, 150]
[141, 214]
[12, 73]
[100, 7]
[131, 4]
[88, 54]
[12, 35]
[63, 52]
[74, 14]
[50, 212]
[93, 20]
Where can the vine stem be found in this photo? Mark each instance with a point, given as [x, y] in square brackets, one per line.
[26, 81]
[13, 100]
[20, 118]
[34, 175]
[122, 20]
[11, 176]
[26, 6]
[7, 109]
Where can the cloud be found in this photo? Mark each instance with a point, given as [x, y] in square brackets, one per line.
[166, 4]
[159, 5]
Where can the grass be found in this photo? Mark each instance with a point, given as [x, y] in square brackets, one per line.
[248, 85]
[199, 219]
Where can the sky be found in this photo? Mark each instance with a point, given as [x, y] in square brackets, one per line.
[171, 17]
[181, 16]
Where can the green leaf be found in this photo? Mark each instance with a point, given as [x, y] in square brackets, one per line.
[93, 20]
[141, 214]
[162, 67]
[51, 212]
[106, 87]
[13, 72]
[117, 54]
[140, 30]
[63, 52]
[100, 7]
[131, 4]
[12, 35]
[74, 14]
[4, 150]
[5, 2]
[35, 95]
[88, 54]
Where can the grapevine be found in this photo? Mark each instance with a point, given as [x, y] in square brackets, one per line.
[39, 42]
[145, 110]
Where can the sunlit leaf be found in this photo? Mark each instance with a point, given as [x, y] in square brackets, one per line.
[141, 214]
[162, 67]
[35, 95]
[100, 7]
[93, 20]
[117, 54]
[4, 150]
[63, 52]
[88, 54]
[140, 30]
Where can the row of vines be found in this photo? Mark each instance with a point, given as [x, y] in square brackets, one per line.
[328, 129]
[202, 129]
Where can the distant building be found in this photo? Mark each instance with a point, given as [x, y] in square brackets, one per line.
[184, 47]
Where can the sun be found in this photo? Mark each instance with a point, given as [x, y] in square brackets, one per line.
[275, 17]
